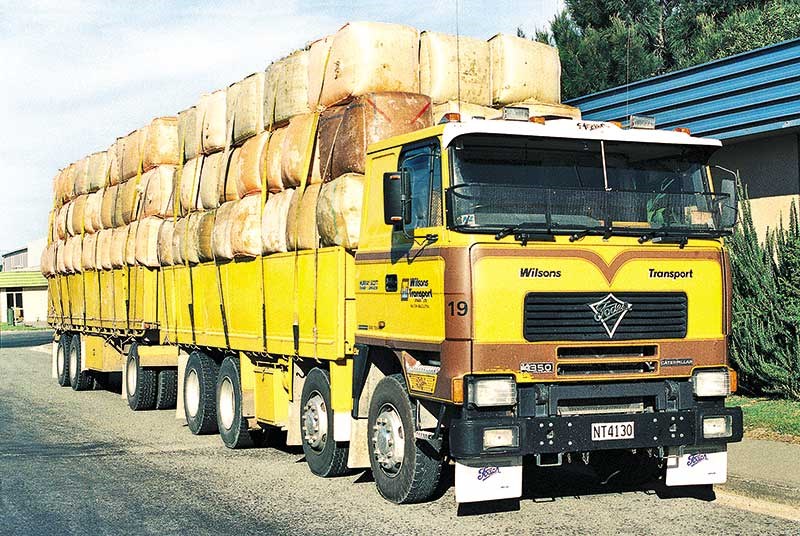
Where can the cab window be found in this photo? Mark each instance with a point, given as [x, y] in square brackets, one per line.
[423, 171]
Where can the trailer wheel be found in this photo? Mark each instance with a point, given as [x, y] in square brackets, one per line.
[325, 457]
[232, 425]
[405, 470]
[81, 380]
[167, 395]
[140, 382]
[62, 359]
[199, 393]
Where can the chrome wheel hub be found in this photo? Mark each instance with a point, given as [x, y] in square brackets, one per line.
[131, 373]
[227, 403]
[315, 422]
[192, 393]
[60, 360]
[388, 440]
[73, 364]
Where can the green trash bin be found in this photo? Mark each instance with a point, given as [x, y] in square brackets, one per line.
[10, 316]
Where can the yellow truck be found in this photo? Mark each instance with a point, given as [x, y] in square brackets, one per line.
[527, 288]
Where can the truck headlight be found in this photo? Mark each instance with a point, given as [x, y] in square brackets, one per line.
[485, 392]
[717, 426]
[712, 383]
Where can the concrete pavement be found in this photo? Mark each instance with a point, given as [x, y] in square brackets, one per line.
[768, 470]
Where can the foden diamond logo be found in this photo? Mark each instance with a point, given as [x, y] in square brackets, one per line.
[609, 312]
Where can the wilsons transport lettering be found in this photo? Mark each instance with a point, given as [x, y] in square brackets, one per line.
[672, 274]
[535, 272]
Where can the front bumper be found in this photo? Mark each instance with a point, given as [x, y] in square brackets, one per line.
[562, 434]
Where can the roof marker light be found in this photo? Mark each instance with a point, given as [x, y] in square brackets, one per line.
[450, 117]
[516, 113]
[683, 130]
[642, 121]
[537, 119]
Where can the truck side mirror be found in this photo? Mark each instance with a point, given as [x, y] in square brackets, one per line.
[393, 199]
[729, 187]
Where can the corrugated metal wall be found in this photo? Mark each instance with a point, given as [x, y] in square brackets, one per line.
[750, 93]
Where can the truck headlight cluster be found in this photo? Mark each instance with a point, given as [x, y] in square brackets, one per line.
[717, 426]
[500, 437]
[711, 383]
[492, 391]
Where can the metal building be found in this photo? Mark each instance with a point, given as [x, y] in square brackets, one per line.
[23, 288]
[750, 101]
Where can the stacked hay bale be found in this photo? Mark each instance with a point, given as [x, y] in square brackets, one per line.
[276, 161]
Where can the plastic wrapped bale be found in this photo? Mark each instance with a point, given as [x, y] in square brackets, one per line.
[82, 176]
[221, 234]
[454, 69]
[77, 215]
[209, 179]
[375, 117]
[245, 108]
[211, 110]
[130, 149]
[165, 243]
[274, 161]
[69, 183]
[104, 245]
[229, 171]
[252, 165]
[91, 218]
[147, 242]
[113, 163]
[549, 110]
[245, 235]
[189, 185]
[127, 206]
[465, 109]
[523, 69]
[330, 123]
[317, 57]
[200, 234]
[366, 57]
[158, 183]
[61, 221]
[47, 260]
[273, 222]
[191, 245]
[118, 237]
[298, 141]
[286, 89]
[72, 254]
[339, 211]
[160, 144]
[61, 265]
[301, 222]
[189, 133]
[58, 188]
[98, 170]
[130, 243]
[64, 257]
[179, 241]
[89, 254]
[108, 208]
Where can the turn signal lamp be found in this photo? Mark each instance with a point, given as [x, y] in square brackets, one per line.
[450, 117]
[734, 380]
[616, 124]
[537, 119]
[682, 130]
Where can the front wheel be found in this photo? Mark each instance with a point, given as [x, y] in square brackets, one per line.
[405, 470]
[325, 457]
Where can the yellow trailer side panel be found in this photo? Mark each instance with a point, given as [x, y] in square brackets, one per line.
[143, 296]
[207, 311]
[183, 302]
[241, 289]
[76, 300]
[93, 298]
[101, 356]
[107, 299]
[120, 278]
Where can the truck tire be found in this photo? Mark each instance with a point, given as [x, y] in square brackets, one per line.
[167, 382]
[324, 456]
[62, 359]
[199, 393]
[140, 382]
[80, 380]
[404, 476]
[232, 425]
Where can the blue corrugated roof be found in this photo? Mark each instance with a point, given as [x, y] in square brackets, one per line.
[753, 92]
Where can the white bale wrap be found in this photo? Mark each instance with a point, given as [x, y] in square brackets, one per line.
[159, 184]
[179, 241]
[245, 232]
[245, 108]
[211, 110]
[189, 132]
[92, 217]
[286, 89]
[371, 56]
[339, 211]
[114, 155]
[117, 241]
[165, 243]
[274, 164]
[160, 144]
[448, 64]
[523, 70]
[89, 254]
[98, 170]
[274, 220]
[252, 165]
[147, 242]
[212, 175]
[81, 171]
[130, 243]
[301, 223]
[297, 142]
[220, 236]
[129, 150]
[104, 244]
[190, 184]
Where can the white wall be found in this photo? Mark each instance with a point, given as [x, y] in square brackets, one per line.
[34, 302]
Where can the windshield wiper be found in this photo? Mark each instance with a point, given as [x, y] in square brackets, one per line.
[662, 237]
[525, 232]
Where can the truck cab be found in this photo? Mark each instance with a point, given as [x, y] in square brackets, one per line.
[552, 289]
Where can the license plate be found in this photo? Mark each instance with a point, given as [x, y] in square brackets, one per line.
[606, 431]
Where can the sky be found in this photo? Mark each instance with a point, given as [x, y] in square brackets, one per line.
[75, 75]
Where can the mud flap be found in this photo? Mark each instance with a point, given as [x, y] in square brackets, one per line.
[697, 467]
[488, 481]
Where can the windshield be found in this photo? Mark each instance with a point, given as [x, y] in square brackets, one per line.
[569, 184]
